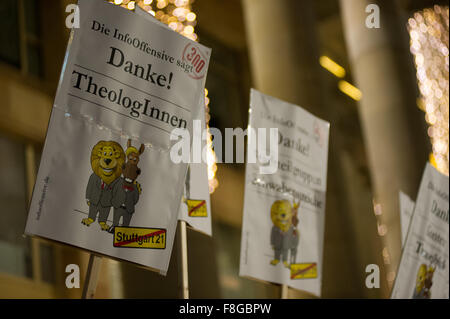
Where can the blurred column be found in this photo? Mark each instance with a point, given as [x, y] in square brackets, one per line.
[283, 50]
[393, 128]
[284, 58]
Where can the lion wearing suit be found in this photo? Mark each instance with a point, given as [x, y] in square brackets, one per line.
[284, 236]
[107, 159]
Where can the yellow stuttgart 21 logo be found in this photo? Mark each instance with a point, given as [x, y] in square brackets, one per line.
[137, 237]
[197, 208]
[303, 271]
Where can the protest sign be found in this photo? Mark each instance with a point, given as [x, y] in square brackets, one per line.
[106, 181]
[195, 208]
[423, 271]
[284, 212]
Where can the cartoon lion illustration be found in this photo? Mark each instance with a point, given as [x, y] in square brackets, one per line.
[424, 281]
[284, 235]
[107, 159]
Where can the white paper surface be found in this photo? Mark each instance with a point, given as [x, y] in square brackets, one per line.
[195, 208]
[301, 177]
[124, 78]
[406, 211]
[423, 271]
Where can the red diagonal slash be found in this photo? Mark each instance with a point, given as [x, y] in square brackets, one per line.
[137, 238]
[203, 202]
[303, 270]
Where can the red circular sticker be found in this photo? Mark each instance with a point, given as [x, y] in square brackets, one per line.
[194, 57]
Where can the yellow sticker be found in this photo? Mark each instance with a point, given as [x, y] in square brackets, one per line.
[303, 271]
[138, 237]
[197, 208]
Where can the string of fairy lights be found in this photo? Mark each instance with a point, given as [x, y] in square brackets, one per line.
[178, 15]
[428, 30]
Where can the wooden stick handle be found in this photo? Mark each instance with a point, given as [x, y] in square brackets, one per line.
[93, 271]
[183, 261]
[284, 292]
[30, 166]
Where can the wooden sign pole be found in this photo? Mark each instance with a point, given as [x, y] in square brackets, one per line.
[183, 262]
[284, 292]
[92, 274]
[30, 166]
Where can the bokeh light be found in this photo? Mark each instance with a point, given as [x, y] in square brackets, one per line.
[428, 30]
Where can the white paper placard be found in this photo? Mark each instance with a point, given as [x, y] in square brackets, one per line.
[406, 211]
[423, 271]
[126, 83]
[195, 208]
[272, 247]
